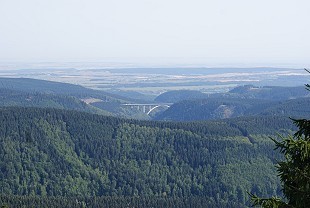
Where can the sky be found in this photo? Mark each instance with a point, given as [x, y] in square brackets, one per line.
[189, 31]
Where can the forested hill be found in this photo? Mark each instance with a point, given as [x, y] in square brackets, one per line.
[58, 88]
[269, 92]
[41, 93]
[10, 97]
[273, 93]
[179, 95]
[219, 108]
[49, 152]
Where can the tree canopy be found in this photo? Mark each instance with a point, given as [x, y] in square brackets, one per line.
[294, 171]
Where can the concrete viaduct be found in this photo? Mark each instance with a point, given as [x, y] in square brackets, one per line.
[147, 108]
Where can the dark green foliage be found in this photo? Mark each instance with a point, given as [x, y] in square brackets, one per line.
[294, 108]
[294, 171]
[133, 94]
[50, 152]
[26, 99]
[179, 95]
[41, 93]
[241, 101]
[212, 108]
[273, 202]
[271, 93]
[268, 92]
[303, 128]
[58, 88]
[113, 202]
[219, 108]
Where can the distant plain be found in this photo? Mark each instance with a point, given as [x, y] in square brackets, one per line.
[154, 81]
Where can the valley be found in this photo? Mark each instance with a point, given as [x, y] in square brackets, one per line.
[154, 104]
[68, 145]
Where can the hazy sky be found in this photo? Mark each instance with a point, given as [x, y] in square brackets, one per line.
[217, 31]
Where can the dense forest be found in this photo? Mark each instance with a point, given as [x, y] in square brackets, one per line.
[268, 92]
[58, 88]
[112, 201]
[57, 151]
[219, 108]
[49, 152]
[175, 96]
[10, 97]
[78, 91]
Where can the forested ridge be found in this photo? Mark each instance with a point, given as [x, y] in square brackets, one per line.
[9, 97]
[42, 93]
[219, 108]
[49, 152]
[275, 93]
[51, 87]
[112, 201]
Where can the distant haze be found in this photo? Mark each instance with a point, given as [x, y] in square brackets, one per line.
[257, 32]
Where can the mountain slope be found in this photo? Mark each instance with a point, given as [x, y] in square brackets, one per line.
[179, 95]
[273, 93]
[25, 99]
[67, 153]
[59, 88]
[219, 108]
[270, 92]
[102, 100]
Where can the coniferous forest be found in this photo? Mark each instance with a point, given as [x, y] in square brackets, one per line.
[65, 158]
